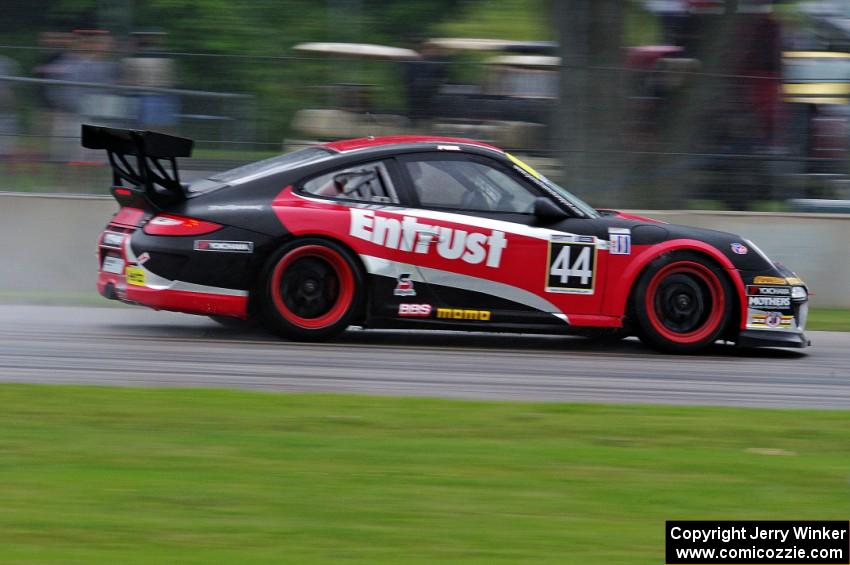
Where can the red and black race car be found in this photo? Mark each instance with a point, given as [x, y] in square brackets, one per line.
[423, 232]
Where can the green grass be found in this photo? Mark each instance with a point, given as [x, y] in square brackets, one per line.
[94, 475]
[55, 298]
[829, 319]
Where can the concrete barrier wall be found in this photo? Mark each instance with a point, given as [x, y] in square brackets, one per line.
[48, 242]
[815, 246]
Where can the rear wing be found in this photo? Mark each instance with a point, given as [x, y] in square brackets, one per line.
[151, 180]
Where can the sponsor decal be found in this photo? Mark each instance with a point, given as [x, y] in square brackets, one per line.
[523, 166]
[143, 258]
[772, 320]
[448, 148]
[571, 265]
[769, 297]
[415, 310]
[463, 314]
[761, 279]
[113, 239]
[762, 302]
[407, 234]
[619, 241]
[232, 207]
[224, 246]
[135, 276]
[112, 264]
[769, 291]
[404, 286]
[739, 248]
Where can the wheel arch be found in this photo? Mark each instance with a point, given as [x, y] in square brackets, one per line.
[623, 294]
[289, 238]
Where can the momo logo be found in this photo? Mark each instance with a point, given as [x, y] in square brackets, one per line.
[407, 234]
[460, 314]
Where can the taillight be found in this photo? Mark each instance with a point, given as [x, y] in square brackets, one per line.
[169, 224]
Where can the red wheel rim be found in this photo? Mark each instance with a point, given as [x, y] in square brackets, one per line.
[338, 294]
[685, 302]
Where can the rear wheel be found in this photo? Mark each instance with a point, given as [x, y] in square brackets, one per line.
[312, 290]
[683, 302]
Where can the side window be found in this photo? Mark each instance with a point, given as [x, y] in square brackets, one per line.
[468, 185]
[369, 182]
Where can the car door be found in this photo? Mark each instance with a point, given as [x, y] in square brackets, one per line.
[369, 196]
[492, 255]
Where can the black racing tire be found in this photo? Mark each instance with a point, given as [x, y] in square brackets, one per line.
[683, 302]
[312, 290]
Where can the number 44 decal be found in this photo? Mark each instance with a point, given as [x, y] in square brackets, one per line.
[571, 267]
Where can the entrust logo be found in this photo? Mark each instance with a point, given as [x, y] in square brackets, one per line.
[408, 234]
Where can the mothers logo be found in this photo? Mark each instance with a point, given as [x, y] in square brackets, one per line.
[408, 234]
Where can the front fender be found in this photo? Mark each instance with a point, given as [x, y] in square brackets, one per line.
[619, 288]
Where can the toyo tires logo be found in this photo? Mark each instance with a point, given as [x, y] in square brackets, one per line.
[410, 235]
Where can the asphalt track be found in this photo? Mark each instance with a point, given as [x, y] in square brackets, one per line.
[128, 346]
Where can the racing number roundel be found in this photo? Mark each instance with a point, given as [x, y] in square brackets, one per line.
[571, 266]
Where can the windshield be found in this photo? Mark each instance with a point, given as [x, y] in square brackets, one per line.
[563, 194]
[577, 202]
[259, 169]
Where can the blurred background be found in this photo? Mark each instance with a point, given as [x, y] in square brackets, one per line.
[664, 104]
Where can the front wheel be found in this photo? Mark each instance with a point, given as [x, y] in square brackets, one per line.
[683, 302]
[312, 290]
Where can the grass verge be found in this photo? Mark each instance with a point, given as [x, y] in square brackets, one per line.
[829, 319]
[94, 475]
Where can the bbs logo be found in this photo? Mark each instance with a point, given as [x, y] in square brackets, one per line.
[414, 310]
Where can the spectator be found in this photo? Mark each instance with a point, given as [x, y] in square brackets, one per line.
[56, 53]
[148, 67]
[88, 62]
[8, 111]
[423, 79]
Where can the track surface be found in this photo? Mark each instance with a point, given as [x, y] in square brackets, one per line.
[136, 347]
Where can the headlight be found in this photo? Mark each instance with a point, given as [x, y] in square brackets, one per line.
[799, 293]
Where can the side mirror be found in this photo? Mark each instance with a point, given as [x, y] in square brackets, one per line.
[545, 209]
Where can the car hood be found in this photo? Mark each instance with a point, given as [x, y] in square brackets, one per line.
[743, 253]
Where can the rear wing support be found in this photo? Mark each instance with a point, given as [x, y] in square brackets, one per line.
[153, 179]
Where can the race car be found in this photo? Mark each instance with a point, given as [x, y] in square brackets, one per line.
[423, 232]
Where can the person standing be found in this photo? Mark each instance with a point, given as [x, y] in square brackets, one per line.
[8, 110]
[148, 67]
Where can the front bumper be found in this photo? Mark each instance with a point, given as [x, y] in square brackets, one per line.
[769, 338]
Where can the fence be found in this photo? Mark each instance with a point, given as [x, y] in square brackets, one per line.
[736, 153]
